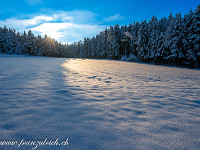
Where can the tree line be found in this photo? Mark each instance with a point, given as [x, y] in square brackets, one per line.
[173, 41]
[12, 42]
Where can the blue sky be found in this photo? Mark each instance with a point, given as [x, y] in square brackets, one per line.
[71, 20]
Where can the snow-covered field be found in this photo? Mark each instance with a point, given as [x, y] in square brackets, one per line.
[98, 104]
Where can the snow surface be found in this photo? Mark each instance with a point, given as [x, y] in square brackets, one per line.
[98, 104]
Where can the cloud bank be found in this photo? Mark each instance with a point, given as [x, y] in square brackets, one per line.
[64, 26]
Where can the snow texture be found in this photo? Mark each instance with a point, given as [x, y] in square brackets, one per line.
[98, 104]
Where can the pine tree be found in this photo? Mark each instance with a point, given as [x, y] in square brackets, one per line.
[24, 43]
[104, 37]
[40, 46]
[193, 51]
[153, 32]
[176, 42]
[159, 52]
[18, 44]
[142, 41]
[134, 42]
[98, 45]
[93, 47]
[1, 40]
[168, 37]
[31, 43]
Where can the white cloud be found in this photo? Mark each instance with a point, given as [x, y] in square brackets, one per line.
[114, 18]
[37, 20]
[68, 32]
[21, 24]
[52, 29]
[67, 18]
[66, 27]
[83, 16]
